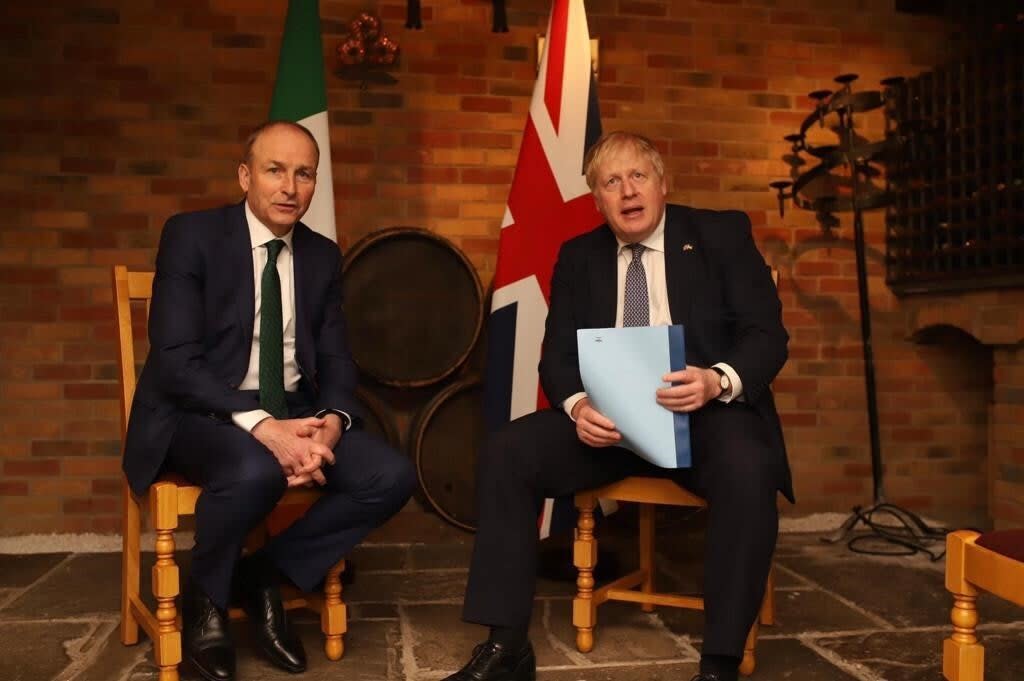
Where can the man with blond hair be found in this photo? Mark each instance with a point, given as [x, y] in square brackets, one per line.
[650, 264]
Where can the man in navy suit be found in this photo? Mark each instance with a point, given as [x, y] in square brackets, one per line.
[247, 390]
[650, 264]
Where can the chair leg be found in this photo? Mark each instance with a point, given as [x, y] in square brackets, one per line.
[584, 612]
[166, 582]
[963, 658]
[749, 662]
[647, 552]
[334, 616]
[130, 556]
[767, 614]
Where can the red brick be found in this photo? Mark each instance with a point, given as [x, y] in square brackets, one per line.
[177, 186]
[32, 468]
[433, 175]
[13, 488]
[91, 391]
[28, 275]
[106, 486]
[92, 466]
[489, 104]
[487, 176]
[87, 166]
[734, 82]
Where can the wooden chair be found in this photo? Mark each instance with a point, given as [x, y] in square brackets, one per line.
[992, 562]
[648, 492]
[167, 500]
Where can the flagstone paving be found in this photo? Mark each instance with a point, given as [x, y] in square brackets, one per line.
[841, 616]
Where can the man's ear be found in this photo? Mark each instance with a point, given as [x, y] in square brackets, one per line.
[243, 176]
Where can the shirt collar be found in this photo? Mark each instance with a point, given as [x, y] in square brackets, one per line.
[260, 234]
[655, 241]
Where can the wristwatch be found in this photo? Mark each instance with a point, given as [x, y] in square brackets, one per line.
[723, 382]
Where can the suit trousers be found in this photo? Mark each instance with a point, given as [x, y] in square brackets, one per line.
[242, 482]
[539, 456]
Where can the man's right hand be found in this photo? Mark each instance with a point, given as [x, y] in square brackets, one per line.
[290, 441]
[592, 427]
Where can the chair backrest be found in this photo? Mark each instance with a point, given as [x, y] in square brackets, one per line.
[128, 287]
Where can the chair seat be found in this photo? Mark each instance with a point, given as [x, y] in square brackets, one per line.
[646, 490]
[1009, 543]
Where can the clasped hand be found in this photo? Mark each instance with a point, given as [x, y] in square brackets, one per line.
[691, 389]
[301, 446]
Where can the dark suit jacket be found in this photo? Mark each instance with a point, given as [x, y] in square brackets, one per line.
[201, 328]
[719, 289]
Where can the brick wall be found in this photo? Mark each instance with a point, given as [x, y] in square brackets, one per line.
[117, 114]
[993, 323]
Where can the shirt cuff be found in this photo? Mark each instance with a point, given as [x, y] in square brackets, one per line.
[736, 385]
[571, 402]
[346, 420]
[247, 420]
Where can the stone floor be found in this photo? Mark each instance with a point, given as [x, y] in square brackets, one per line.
[840, 616]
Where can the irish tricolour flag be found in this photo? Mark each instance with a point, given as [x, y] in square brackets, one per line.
[300, 95]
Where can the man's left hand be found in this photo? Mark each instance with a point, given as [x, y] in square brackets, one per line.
[330, 433]
[692, 388]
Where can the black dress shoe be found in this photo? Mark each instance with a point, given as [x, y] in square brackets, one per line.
[493, 662]
[260, 596]
[705, 677]
[204, 636]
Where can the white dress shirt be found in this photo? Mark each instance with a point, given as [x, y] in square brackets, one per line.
[259, 236]
[653, 260]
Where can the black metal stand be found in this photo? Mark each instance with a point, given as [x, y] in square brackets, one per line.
[909, 533]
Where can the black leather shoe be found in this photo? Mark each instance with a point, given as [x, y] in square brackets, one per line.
[705, 677]
[493, 662]
[260, 596]
[204, 636]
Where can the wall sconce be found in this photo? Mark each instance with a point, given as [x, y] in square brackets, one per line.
[593, 53]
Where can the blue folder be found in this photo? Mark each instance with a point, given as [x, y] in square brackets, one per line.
[621, 370]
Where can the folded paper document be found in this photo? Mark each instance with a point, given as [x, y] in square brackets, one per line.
[621, 370]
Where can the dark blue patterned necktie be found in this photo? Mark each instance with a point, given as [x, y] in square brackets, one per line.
[272, 337]
[636, 310]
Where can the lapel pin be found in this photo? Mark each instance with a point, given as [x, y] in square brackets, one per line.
[687, 247]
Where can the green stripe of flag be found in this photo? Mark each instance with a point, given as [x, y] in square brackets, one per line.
[300, 90]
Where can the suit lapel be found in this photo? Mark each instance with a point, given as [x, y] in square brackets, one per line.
[240, 248]
[604, 276]
[302, 271]
[680, 263]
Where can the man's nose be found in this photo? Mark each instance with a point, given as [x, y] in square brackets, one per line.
[288, 184]
[628, 188]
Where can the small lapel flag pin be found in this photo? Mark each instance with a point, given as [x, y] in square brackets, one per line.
[687, 247]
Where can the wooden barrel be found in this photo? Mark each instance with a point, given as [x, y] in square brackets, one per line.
[445, 440]
[414, 306]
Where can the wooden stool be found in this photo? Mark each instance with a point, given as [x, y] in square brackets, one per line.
[647, 492]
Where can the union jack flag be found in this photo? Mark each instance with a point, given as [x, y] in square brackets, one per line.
[548, 203]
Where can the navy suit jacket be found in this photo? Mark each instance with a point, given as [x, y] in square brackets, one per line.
[201, 327]
[719, 289]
